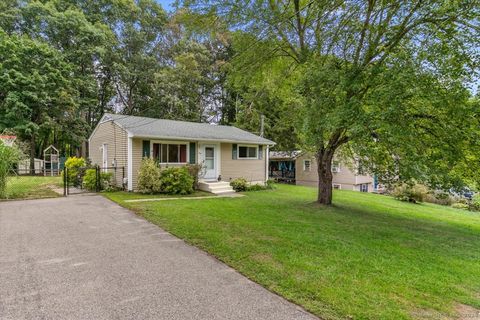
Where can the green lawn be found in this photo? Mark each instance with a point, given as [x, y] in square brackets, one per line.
[368, 257]
[33, 187]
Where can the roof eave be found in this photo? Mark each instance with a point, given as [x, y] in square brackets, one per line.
[267, 142]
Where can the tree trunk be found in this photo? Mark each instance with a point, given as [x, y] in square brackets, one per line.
[32, 154]
[325, 176]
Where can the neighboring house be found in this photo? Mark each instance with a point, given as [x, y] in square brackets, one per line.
[345, 176]
[282, 166]
[225, 152]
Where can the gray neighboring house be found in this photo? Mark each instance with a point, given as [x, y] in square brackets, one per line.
[225, 152]
[301, 168]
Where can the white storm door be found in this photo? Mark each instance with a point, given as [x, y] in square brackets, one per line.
[105, 155]
[210, 162]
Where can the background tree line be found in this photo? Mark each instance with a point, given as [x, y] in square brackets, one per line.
[63, 63]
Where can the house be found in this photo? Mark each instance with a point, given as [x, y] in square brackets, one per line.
[225, 152]
[282, 166]
[345, 175]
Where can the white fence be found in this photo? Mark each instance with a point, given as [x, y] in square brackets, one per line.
[24, 166]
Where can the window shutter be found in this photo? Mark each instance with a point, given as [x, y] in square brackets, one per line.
[260, 152]
[234, 151]
[192, 152]
[146, 149]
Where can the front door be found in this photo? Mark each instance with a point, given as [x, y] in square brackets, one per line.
[210, 162]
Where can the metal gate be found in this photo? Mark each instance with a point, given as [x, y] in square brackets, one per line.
[92, 179]
[73, 180]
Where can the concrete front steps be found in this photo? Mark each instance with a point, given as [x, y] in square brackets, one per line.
[215, 187]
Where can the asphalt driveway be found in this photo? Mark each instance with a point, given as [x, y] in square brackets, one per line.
[84, 257]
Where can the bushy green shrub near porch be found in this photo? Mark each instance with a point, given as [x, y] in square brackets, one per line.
[73, 164]
[176, 180]
[269, 184]
[195, 170]
[90, 180]
[239, 184]
[149, 177]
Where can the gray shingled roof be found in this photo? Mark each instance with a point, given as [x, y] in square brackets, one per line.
[284, 154]
[161, 128]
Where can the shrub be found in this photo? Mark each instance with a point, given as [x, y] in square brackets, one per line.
[90, 180]
[439, 197]
[256, 187]
[106, 182]
[194, 170]
[8, 157]
[270, 184]
[149, 177]
[176, 180]
[411, 193]
[239, 184]
[460, 205]
[475, 203]
[73, 164]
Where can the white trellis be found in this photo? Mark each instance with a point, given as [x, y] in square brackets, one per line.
[51, 161]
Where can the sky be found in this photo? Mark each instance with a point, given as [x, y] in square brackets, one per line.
[166, 4]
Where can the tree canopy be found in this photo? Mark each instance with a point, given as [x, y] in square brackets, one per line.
[120, 56]
[385, 79]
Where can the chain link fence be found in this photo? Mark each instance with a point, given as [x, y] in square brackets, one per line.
[23, 183]
[32, 184]
[93, 179]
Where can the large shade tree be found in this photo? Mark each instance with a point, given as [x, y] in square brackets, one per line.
[125, 56]
[36, 92]
[383, 78]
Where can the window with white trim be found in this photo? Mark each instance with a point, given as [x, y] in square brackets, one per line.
[364, 187]
[169, 152]
[247, 152]
[307, 165]
[335, 166]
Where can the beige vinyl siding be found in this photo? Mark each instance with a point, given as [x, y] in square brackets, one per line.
[137, 149]
[137, 155]
[116, 140]
[251, 169]
[346, 177]
[306, 178]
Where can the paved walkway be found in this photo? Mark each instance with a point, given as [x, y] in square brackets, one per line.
[84, 257]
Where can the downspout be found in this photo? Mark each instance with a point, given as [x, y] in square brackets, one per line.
[130, 163]
[267, 152]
